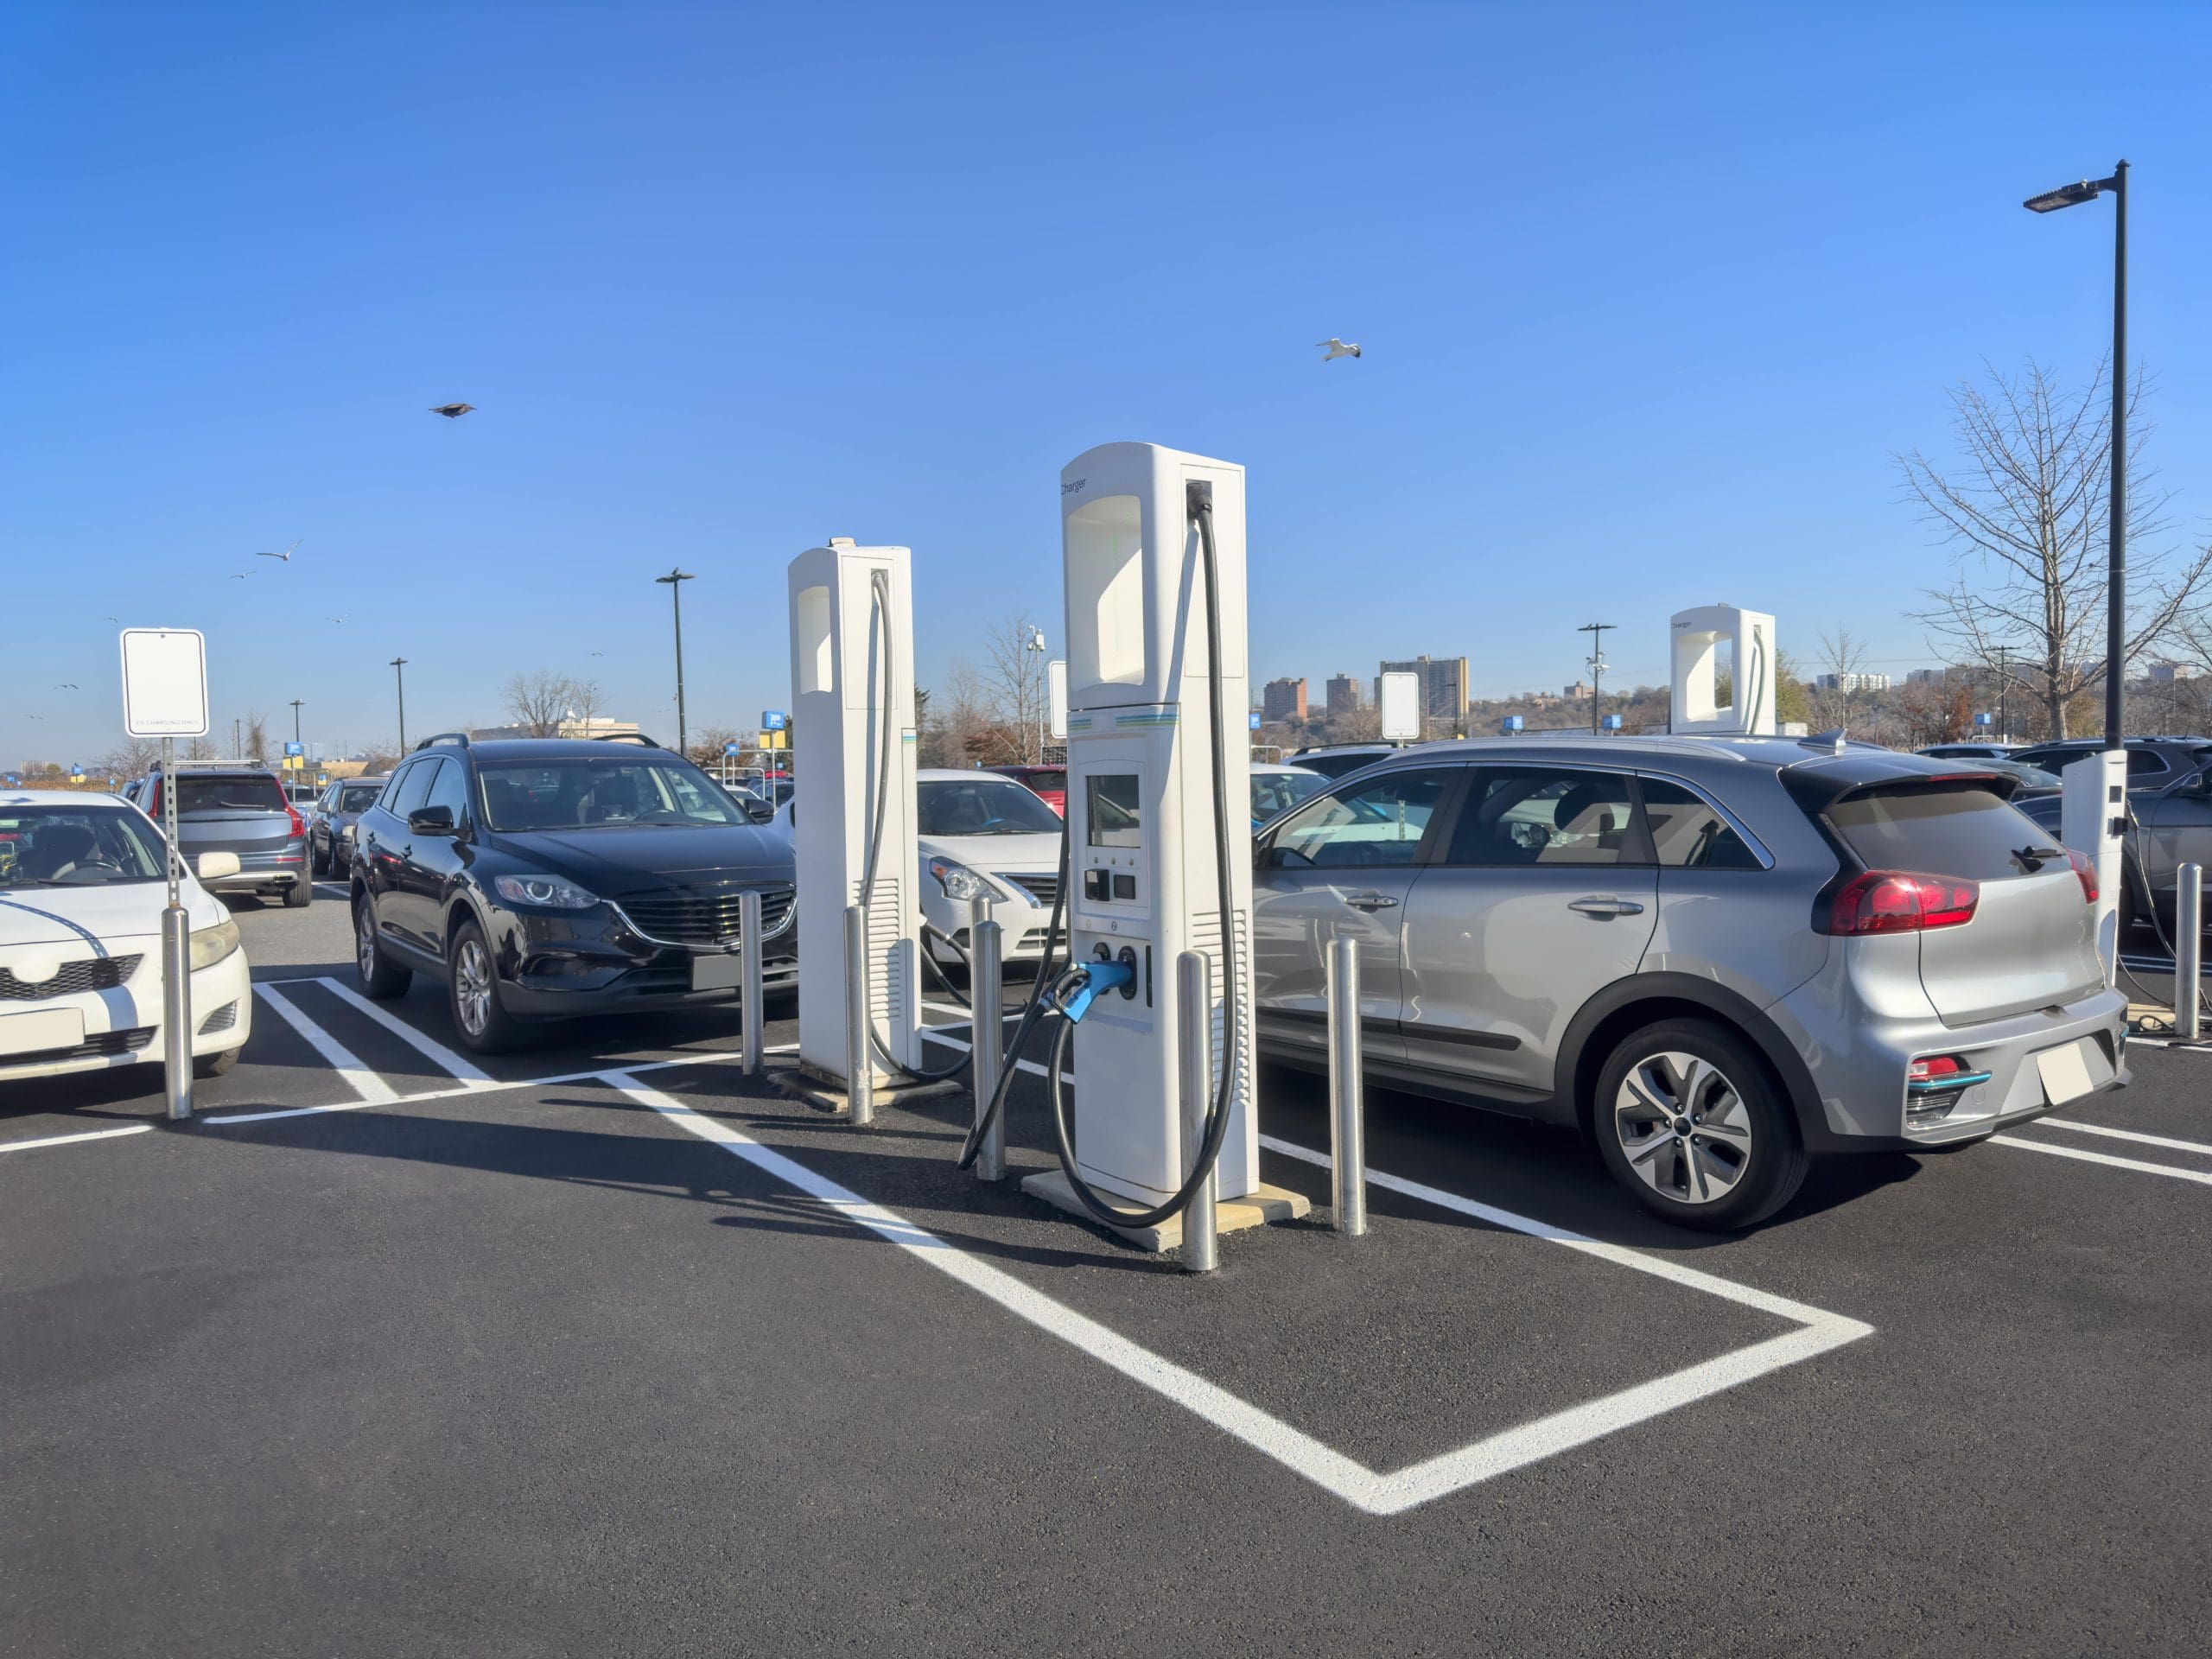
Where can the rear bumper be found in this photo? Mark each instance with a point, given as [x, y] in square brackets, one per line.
[1859, 1071]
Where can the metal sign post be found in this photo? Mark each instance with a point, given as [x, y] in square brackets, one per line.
[165, 696]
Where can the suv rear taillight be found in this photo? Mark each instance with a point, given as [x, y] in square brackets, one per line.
[2087, 872]
[1899, 901]
[298, 828]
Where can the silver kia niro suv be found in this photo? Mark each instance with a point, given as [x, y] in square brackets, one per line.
[1715, 956]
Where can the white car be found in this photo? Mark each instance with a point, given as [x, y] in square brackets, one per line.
[982, 833]
[81, 894]
[1276, 790]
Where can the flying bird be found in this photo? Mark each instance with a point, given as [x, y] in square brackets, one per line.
[65, 685]
[333, 618]
[116, 620]
[452, 411]
[1333, 348]
[286, 555]
[241, 575]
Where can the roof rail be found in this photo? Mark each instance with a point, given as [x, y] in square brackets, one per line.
[216, 765]
[641, 738]
[461, 738]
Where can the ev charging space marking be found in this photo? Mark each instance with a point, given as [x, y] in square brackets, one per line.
[1251, 1330]
[72, 1140]
[2083, 1154]
[466, 1070]
[362, 1081]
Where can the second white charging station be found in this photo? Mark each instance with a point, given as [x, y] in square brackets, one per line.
[1696, 637]
[1142, 858]
[852, 712]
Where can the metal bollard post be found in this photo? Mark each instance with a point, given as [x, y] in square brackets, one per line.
[859, 1064]
[1347, 1106]
[2189, 951]
[1194, 1019]
[751, 1001]
[986, 1030]
[177, 1003]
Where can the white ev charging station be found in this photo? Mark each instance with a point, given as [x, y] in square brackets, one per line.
[2092, 821]
[852, 703]
[1153, 547]
[1698, 635]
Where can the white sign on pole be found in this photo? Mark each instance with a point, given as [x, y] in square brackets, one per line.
[164, 683]
[1401, 708]
[1056, 678]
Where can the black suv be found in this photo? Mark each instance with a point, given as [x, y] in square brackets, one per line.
[236, 806]
[542, 878]
[2169, 808]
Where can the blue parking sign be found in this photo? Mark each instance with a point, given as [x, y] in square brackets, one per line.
[296, 748]
[773, 720]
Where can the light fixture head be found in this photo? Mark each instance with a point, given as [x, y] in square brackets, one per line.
[2066, 195]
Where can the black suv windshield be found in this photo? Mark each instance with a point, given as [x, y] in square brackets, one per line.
[980, 806]
[76, 847]
[596, 794]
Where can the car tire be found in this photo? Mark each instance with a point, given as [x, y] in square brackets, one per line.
[473, 994]
[299, 894]
[381, 978]
[1688, 1118]
[215, 1065]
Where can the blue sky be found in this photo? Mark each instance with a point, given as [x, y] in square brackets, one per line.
[1648, 294]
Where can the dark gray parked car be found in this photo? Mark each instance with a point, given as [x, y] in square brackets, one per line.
[237, 807]
[1715, 956]
[330, 848]
[2169, 806]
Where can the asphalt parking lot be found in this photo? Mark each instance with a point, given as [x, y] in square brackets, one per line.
[602, 1348]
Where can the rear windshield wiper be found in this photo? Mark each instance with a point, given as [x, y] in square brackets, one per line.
[2037, 855]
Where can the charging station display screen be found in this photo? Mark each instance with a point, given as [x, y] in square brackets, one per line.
[1111, 814]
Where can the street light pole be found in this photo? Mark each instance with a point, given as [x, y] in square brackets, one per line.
[676, 579]
[2069, 196]
[1596, 631]
[1036, 642]
[398, 666]
[296, 701]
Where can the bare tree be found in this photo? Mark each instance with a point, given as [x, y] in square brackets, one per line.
[2028, 512]
[708, 742]
[257, 734]
[585, 702]
[132, 758]
[1841, 657]
[1016, 677]
[538, 702]
[963, 728]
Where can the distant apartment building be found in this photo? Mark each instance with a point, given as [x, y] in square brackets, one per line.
[1925, 676]
[1283, 700]
[1344, 696]
[1443, 684]
[2174, 673]
[1853, 682]
[1579, 688]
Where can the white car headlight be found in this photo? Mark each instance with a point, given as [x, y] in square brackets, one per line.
[546, 891]
[209, 945]
[959, 882]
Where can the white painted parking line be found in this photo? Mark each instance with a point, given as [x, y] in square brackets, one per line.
[466, 1071]
[359, 1078]
[2105, 1158]
[2136, 1135]
[1363, 1488]
[72, 1140]
[727, 1056]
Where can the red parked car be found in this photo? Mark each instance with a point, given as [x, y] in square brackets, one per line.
[1048, 783]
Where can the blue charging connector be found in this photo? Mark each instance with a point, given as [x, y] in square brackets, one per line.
[1098, 977]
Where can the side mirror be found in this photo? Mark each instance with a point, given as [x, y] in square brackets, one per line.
[431, 821]
[213, 867]
[759, 811]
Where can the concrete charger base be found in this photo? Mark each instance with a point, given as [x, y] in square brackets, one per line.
[826, 1093]
[1263, 1203]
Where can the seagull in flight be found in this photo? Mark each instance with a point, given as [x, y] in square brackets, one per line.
[333, 618]
[241, 575]
[116, 621]
[65, 685]
[451, 411]
[1333, 348]
[286, 555]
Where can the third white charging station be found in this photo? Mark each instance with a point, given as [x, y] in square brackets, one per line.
[1697, 637]
[852, 709]
[1143, 782]
[2092, 821]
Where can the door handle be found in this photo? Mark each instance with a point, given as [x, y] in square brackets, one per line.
[1607, 906]
[1370, 900]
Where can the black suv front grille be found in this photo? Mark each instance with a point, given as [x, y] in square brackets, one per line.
[1045, 889]
[705, 915]
[87, 973]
